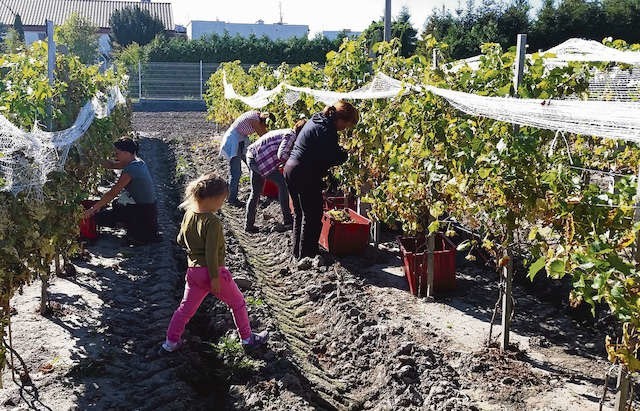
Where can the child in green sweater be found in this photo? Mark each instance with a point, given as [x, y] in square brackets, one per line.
[201, 234]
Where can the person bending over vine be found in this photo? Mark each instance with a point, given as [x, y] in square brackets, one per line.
[315, 151]
[136, 206]
[234, 145]
[264, 158]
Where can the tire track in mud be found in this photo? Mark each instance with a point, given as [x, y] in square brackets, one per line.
[332, 346]
[287, 306]
[138, 310]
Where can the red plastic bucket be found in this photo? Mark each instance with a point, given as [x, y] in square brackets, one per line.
[88, 229]
[270, 189]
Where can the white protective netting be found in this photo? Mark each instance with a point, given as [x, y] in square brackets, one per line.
[615, 84]
[380, 86]
[613, 110]
[26, 158]
[571, 50]
[608, 119]
[590, 51]
[619, 84]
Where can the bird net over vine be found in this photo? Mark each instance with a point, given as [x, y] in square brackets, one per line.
[612, 111]
[26, 158]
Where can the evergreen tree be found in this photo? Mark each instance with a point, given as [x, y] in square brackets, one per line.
[401, 28]
[133, 24]
[18, 27]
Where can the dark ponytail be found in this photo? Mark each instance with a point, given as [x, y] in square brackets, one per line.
[341, 110]
[127, 144]
[329, 112]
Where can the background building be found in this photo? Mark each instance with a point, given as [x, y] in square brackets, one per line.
[197, 29]
[34, 13]
[333, 34]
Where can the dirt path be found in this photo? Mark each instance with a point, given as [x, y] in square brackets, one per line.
[108, 321]
[346, 336]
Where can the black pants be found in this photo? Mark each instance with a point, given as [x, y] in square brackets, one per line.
[306, 194]
[140, 220]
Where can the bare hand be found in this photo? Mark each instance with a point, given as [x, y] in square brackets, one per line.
[89, 213]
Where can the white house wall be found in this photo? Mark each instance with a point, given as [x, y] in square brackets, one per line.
[104, 43]
[197, 29]
[32, 36]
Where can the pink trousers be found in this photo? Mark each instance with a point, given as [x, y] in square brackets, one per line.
[198, 285]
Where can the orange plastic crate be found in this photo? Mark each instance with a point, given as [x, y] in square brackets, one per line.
[345, 238]
[414, 258]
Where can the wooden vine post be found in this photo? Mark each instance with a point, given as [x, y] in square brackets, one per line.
[507, 268]
[507, 301]
[431, 239]
[51, 67]
[431, 242]
[623, 385]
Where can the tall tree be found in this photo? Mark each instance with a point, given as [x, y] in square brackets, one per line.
[133, 24]
[469, 26]
[80, 37]
[401, 28]
[622, 19]
[18, 27]
[545, 28]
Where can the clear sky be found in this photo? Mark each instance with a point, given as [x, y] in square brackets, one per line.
[319, 15]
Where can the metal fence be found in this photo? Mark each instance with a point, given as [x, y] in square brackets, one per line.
[172, 80]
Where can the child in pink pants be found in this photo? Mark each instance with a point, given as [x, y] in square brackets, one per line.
[201, 234]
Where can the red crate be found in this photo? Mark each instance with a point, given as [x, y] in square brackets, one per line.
[414, 258]
[88, 229]
[345, 238]
[339, 202]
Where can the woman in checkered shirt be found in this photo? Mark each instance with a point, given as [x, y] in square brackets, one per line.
[264, 158]
[234, 145]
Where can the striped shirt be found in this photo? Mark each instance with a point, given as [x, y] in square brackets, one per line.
[272, 149]
[243, 123]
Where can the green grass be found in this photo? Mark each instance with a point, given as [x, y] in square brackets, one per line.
[230, 350]
[181, 166]
[254, 302]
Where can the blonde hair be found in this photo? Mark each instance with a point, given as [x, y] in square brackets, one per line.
[205, 186]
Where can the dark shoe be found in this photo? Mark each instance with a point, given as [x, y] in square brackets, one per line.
[251, 229]
[168, 348]
[236, 203]
[305, 263]
[281, 228]
[256, 340]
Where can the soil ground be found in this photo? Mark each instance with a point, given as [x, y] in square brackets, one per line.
[344, 336]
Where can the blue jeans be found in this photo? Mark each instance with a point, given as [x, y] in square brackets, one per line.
[257, 184]
[235, 171]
